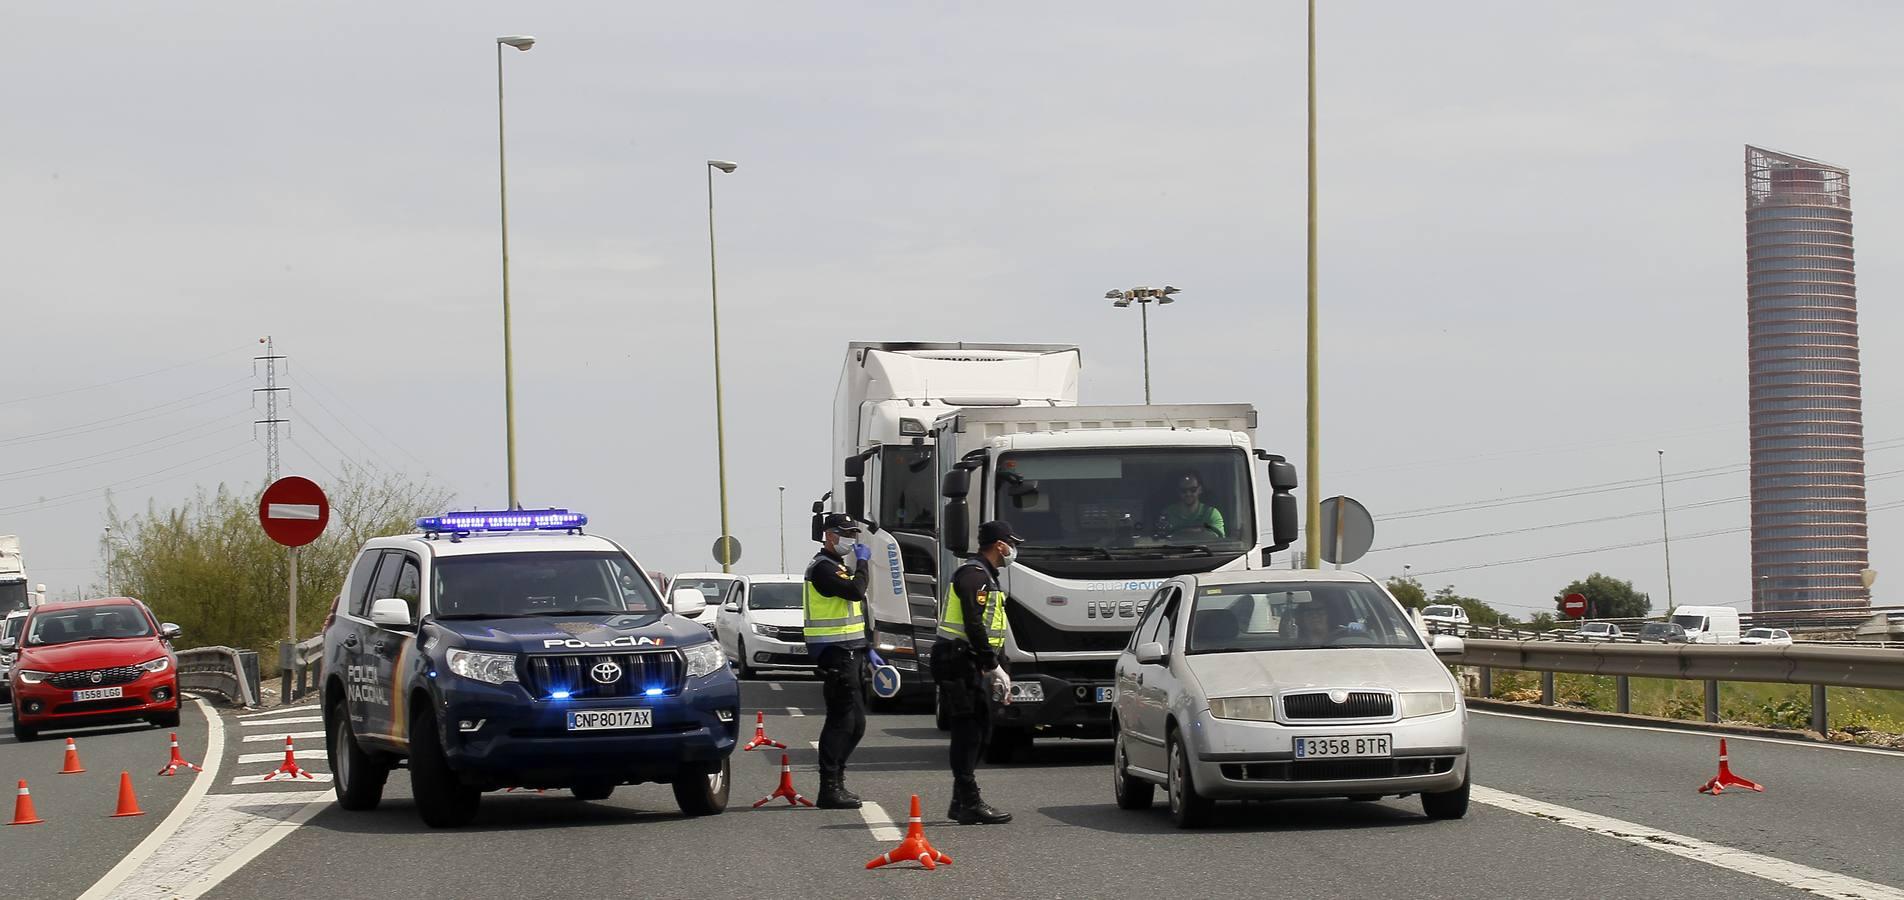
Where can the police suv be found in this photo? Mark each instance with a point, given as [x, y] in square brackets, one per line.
[510, 649]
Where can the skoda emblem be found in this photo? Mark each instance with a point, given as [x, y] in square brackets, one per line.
[97, 678]
[1338, 697]
[605, 673]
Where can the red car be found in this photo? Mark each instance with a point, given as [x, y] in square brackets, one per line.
[90, 663]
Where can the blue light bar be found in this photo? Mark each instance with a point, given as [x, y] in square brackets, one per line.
[654, 692]
[558, 695]
[503, 520]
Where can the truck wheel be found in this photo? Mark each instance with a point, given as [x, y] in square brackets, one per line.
[441, 798]
[600, 790]
[358, 777]
[1006, 744]
[702, 793]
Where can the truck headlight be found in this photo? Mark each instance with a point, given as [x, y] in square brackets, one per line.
[893, 642]
[1253, 709]
[1427, 703]
[31, 676]
[704, 659]
[157, 665]
[1027, 692]
[492, 668]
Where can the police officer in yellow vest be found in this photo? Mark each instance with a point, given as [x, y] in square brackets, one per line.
[965, 662]
[837, 636]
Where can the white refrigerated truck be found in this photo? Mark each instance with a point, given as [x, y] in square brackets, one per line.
[1088, 488]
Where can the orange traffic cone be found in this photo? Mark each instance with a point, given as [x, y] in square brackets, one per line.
[1725, 778]
[178, 761]
[72, 759]
[128, 804]
[288, 768]
[760, 735]
[914, 846]
[23, 813]
[786, 787]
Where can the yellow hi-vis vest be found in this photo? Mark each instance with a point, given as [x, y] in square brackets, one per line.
[831, 620]
[991, 607]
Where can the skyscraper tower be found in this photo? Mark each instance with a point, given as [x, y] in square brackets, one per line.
[1809, 538]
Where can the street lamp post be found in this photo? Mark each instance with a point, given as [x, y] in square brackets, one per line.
[714, 292]
[108, 560]
[1312, 548]
[520, 42]
[1143, 297]
[783, 528]
[1665, 536]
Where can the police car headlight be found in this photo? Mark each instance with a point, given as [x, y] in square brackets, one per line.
[493, 668]
[1251, 709]
[157, 665]
[1427, 703]
[704, 659]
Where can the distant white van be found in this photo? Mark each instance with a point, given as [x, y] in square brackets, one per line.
[1708, 624]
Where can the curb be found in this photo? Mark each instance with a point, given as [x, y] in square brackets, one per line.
[1612, 718]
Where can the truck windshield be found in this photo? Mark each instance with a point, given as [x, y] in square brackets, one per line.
[506, 585]
[1134, 503]
[906, 489]
[12, 596]
[1235, 618]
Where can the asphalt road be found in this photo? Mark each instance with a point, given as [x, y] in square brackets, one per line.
[79, 840]
[1830, 809]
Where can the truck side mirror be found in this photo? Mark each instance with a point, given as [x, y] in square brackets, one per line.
[954, 530]
[854, 466]
[1282, 474]
[819, 518]
[957, 484]
[856, 499]
[1282, 522]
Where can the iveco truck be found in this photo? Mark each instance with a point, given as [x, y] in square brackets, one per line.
[14, 593]
[1099, 493]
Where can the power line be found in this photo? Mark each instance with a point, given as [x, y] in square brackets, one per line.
[310, 381]
[335, 478]
[102, 384]
[333, 444]
[78, 463]
[110, 422]
[352, 432]
[224, 456]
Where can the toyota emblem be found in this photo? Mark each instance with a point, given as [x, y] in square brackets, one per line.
[605, 673]
[1338, 697]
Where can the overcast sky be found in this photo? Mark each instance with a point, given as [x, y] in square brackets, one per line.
[1532, 260]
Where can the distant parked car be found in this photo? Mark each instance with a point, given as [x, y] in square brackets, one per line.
[1777, 637]
[1445, 618]
[1599, 631]
[1663, 633]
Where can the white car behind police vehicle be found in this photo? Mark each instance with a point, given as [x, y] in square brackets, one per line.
[715, 587]
[1285, 683]
[762, 626]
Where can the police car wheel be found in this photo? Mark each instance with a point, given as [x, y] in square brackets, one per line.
[703, 793]
[600, 790]
[442, 800]
[357, 777]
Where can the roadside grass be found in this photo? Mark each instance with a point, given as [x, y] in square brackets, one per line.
[1770, 705]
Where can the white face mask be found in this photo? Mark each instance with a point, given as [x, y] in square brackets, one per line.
[1009, 556]
[844, 547]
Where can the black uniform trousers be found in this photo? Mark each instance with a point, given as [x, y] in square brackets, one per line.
[967, 709]
[840, 673]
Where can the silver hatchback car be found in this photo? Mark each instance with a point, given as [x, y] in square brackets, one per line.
[1286, 683]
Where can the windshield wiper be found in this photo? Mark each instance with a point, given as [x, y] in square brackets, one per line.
[1195, 549]
[1090, 551]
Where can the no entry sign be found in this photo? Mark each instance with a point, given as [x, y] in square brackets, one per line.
[1574, 605]
[293, 511]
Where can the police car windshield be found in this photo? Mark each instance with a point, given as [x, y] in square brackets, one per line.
[1235, 618]
[91, 623]
[513, 585]
[775, 595]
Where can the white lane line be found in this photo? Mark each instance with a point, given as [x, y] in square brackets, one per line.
[1687, 732]
[774, 686]
[1773, 869]
[272, 834]
[280, 736]
[814, 744]
[187, 805]
[293, 720]
[279, 711]
[315, 779]
[247, 758]
[795, 712]
[880, 824]
[227, 831]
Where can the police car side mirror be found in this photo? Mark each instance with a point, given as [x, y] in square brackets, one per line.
[390, 612]
[688, 602]
[1150, 653]
[169, 631]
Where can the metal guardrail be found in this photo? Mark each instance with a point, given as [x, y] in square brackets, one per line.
[230, 673]
[1817, 665]
[306, 665]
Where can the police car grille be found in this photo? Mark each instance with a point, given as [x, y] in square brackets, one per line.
[85, 679]
[576, 674]
[1359, 705]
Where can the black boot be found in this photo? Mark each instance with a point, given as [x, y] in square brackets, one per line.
[961, 798]
[977, 812]
[833, 794]
[839, 784]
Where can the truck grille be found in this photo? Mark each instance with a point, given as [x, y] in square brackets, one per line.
[1340, 770]
[73, 681]
[582, 675]
[1359, 705]
[1038, 636]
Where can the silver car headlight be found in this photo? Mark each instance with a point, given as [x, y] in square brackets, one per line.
[492, 668]
[157, 665]
[1426, 703]
[704, 659]
[1253, 709]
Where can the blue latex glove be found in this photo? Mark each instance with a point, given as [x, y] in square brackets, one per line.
[862, 552]
[872, 656]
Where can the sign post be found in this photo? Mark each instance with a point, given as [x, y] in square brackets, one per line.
[293, 511]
